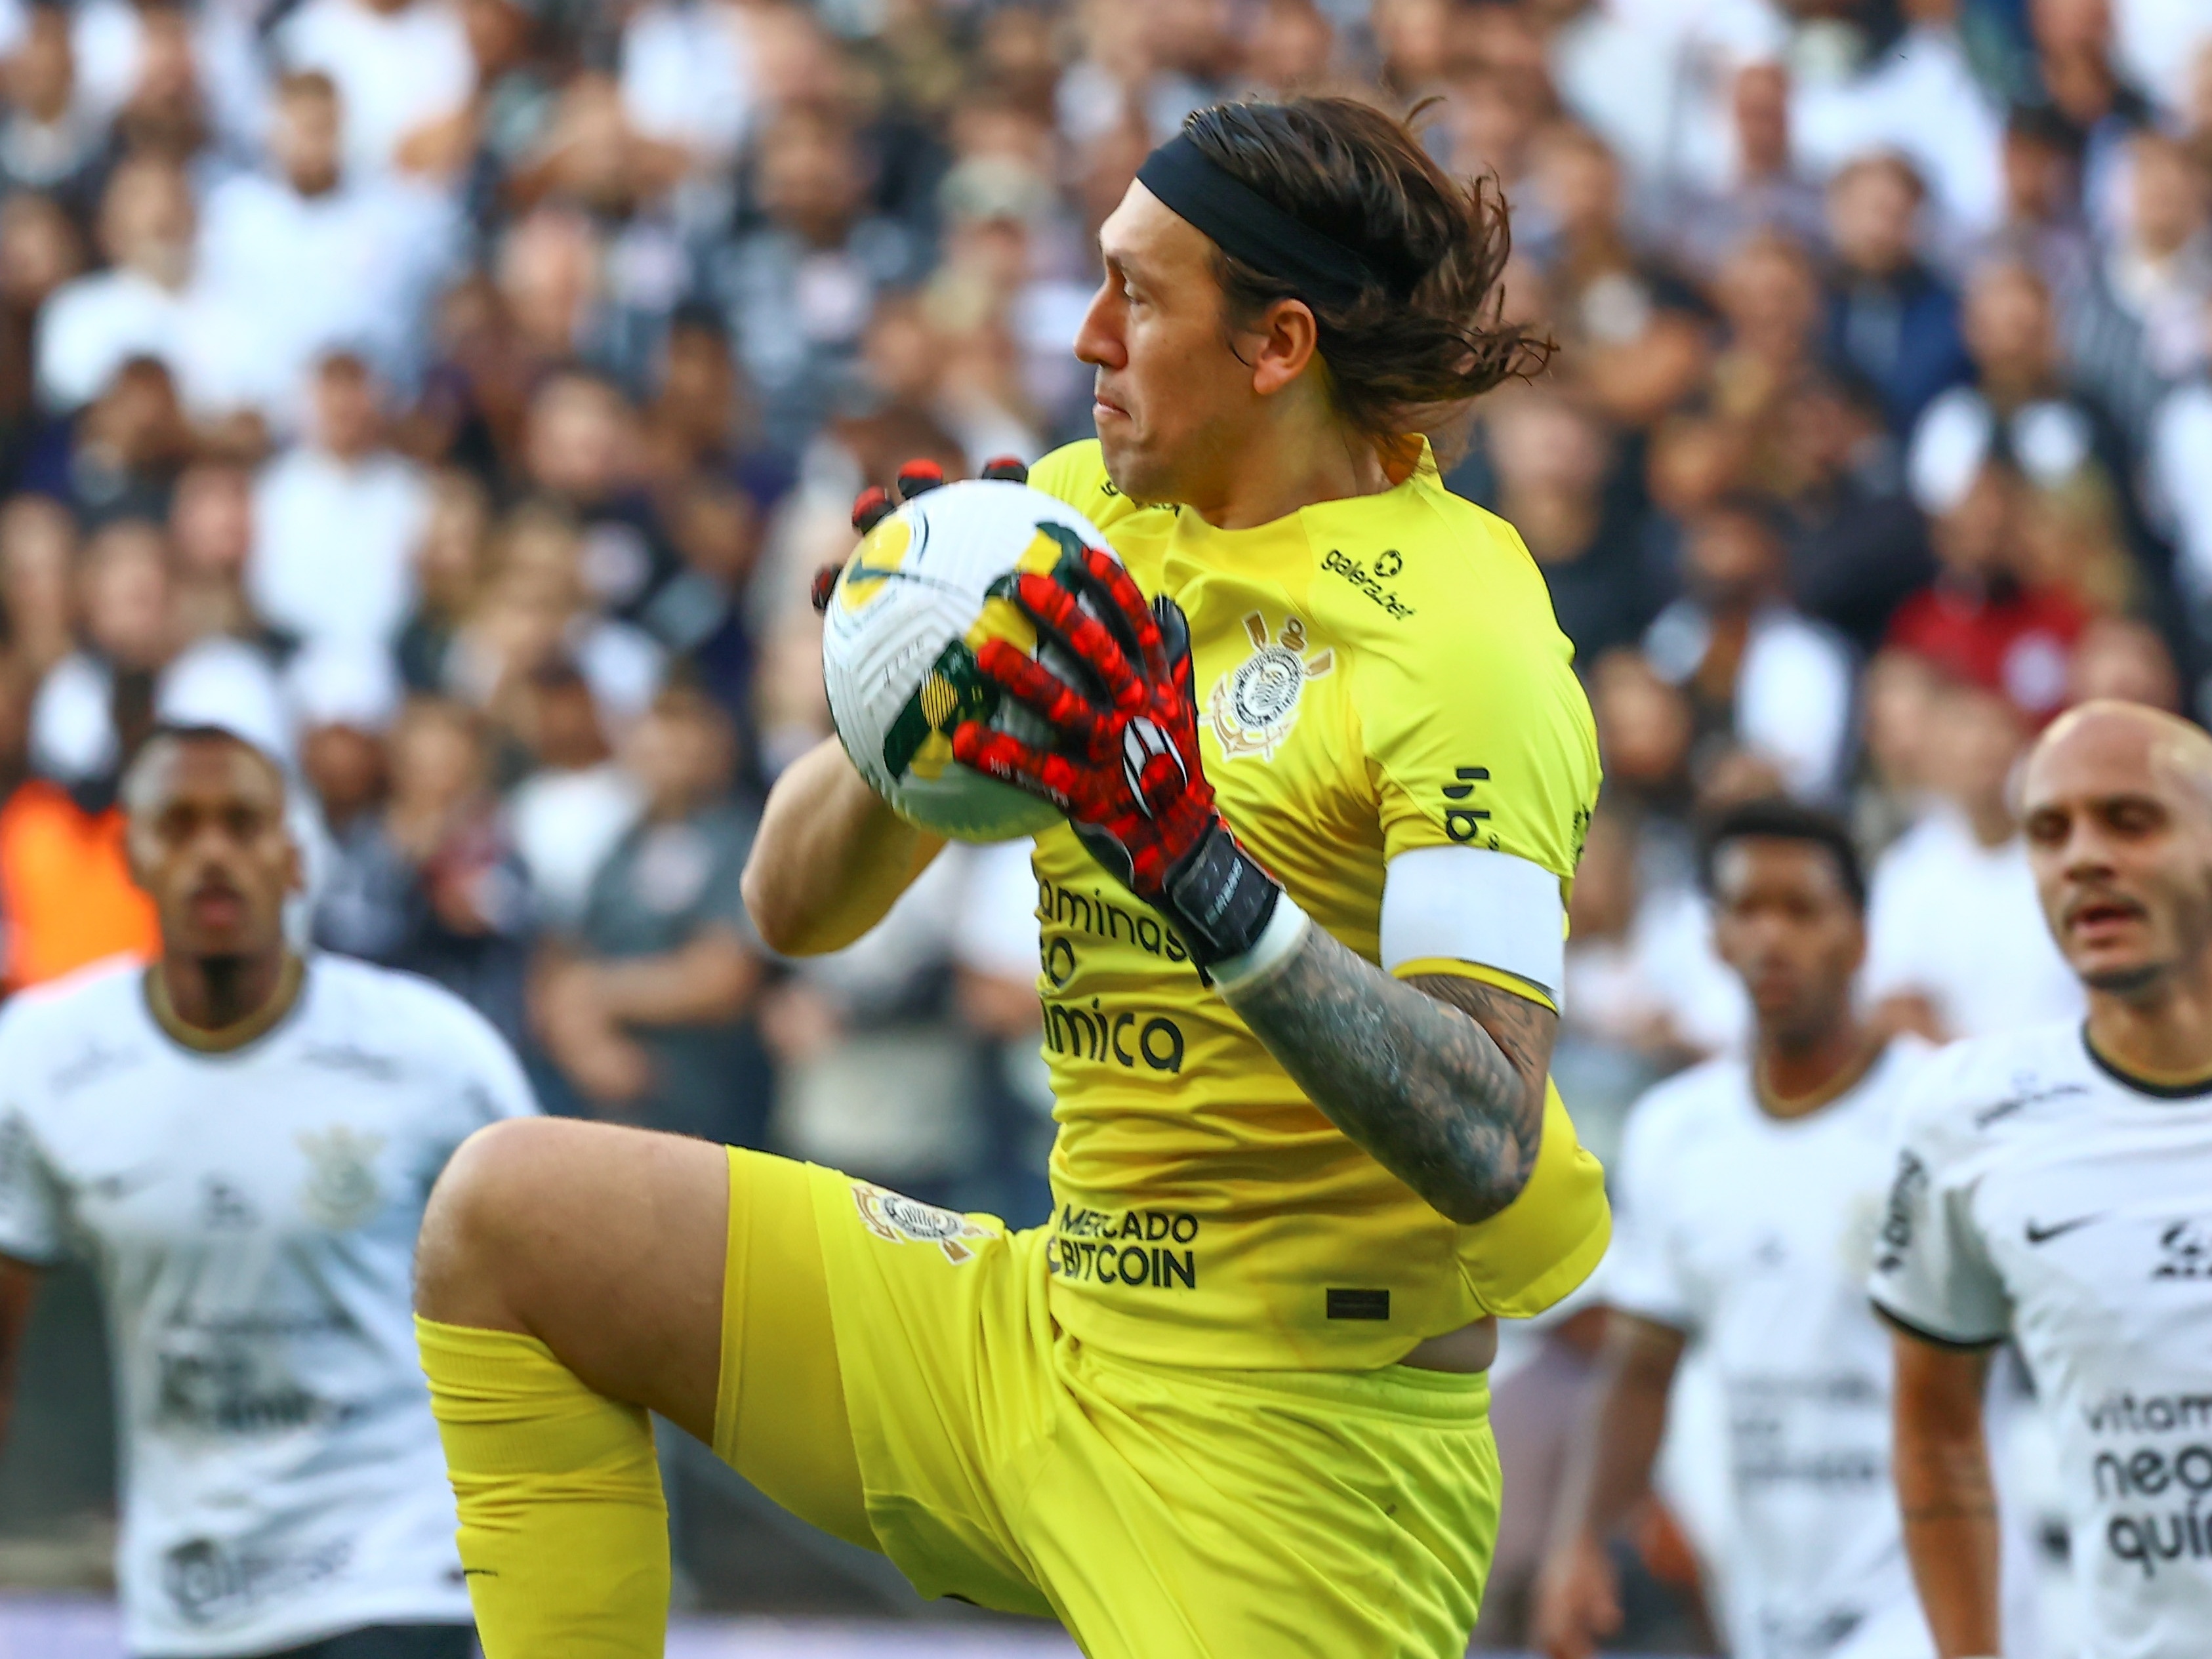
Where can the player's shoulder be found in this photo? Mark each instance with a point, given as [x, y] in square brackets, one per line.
[1076, 474]
[1686, 1108]
[90, 999]
[73, 1030]
[417, 1017]
[1973, 1093]
[1424, 567]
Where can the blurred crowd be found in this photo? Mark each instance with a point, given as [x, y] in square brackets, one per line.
[457, 394]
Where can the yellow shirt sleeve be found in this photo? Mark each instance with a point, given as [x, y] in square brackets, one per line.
[1546, 1241]
[1478, 734]
[1476, 730]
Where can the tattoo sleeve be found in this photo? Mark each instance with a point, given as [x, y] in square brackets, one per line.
[1440, 1078]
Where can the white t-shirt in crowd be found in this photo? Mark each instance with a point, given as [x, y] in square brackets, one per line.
[1754, 1235]
[1960, 923]
[354, 269]
[687, 75]
[252, 1217]
[395, 71]
[2040, 1196]
[334, 543]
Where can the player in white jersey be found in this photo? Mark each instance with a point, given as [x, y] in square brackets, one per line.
[2055, 1188]
[242, 1142]
[1746, 1198]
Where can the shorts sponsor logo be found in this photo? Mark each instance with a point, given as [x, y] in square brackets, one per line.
[1143, 1249]
[210, 1582]
[1254, 706]
[897, 1220]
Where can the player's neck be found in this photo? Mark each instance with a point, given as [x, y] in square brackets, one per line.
[2162, 1036]
[1793, 1075]
[1297, 460]
[218, 1003]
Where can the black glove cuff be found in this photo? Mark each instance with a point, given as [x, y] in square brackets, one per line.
[1219, 898]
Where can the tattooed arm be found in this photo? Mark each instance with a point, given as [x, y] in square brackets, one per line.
[1439, 1079]
[1942, 1465]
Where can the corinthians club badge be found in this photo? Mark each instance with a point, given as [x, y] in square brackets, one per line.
[897, 1220]
[1255, 704]
[340, 1191]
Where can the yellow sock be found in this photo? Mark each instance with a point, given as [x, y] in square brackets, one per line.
[564, 1531]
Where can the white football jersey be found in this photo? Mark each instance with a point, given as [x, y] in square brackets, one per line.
[1754, 1235]
[252, 1217]
[2043, 1196]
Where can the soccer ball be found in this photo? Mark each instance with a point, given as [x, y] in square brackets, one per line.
[919, 594]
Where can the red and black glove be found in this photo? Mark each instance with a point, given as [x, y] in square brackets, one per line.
[875, 504]
[1126, 767]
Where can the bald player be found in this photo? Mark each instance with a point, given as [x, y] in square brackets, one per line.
[2055, 1188]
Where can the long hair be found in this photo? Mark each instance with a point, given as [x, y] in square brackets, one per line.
[1408, 353]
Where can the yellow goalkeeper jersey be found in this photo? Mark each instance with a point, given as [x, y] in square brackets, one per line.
[1374, 674]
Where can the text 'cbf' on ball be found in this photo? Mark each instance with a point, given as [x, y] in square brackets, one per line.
[923, 590]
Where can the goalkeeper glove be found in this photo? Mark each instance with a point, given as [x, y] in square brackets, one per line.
[1126, 767]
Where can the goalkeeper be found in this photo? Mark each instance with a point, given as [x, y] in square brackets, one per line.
[1302, 944]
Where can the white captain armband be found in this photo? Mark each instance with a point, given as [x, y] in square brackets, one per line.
[1472, 905]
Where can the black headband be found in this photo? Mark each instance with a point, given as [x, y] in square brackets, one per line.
[1247, 226]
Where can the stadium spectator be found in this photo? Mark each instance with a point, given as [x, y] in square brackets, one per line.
[1858, 546]
[320, 258]
[1549, 460]
[799, 289]
[143, 305]
[336, 518]
[1982, 620]
[1754, 668]
[1769, 190]
[1892, 321]
[575, 802]
[396, 64]
[50, 140]
[643, 1003]
[426, 881]
[1952, 950]
[1635, 337]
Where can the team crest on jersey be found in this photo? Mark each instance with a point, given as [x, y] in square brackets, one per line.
[897, 1220]
[1254, 705]
[342, 1190]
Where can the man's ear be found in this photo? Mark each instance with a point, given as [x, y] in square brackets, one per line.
[1287, 338]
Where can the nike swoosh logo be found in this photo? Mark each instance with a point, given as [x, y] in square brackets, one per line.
[2044, 1235]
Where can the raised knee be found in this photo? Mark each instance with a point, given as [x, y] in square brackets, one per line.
[474, 1220]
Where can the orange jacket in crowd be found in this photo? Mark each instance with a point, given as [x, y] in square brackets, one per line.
[65, 890]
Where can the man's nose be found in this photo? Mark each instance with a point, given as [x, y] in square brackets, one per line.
[1096, 342]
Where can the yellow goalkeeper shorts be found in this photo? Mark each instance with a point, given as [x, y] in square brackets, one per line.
[1158, 1512]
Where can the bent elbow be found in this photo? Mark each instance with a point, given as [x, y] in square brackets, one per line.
[778, 925]
[1479, 1197]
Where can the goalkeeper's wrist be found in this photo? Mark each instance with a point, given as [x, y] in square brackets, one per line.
[1220, 900]
[1283, 938]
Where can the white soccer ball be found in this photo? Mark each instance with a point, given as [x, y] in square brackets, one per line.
[923, 590]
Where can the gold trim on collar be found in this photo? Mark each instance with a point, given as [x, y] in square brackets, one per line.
[237, 1035]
